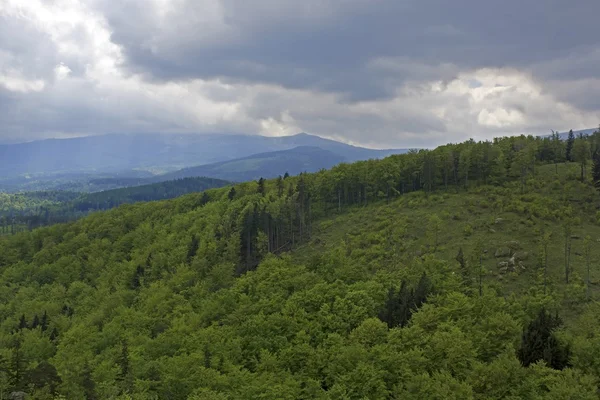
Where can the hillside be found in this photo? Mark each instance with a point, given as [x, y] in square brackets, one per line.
[21, 211]
[364, 281]
[153, 152]
[265, 165]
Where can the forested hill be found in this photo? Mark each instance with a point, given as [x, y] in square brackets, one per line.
[456, 273]
[264, 165]
[24, 211]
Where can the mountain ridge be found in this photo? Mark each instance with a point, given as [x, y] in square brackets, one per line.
[151, 151]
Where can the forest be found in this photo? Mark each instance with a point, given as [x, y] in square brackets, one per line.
[29, 210]
[469, 271]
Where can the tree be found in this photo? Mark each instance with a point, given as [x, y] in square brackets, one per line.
[44, 375]
[596, 169]
[204, 199]
[192, 249]
[286, 175]
[36, 322]
[89, 387]
[539, 343]
[44, 322]
[231, 194]
[261, 187]
[17, 365]
[424, 288]
[569, 147]
[581, 154]
[124, 374]
[464, 269]
[23, 322]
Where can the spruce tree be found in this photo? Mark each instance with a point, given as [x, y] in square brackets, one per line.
[231, 194]
[539, 343]
[44, 322]
[596, 169]
[423, 290]
[124, 374]
[261, 186]
[23, 322]
[570, 142]
[36, 322]
[89, 387]
[204, 199]
[464, 269]
[192, 249]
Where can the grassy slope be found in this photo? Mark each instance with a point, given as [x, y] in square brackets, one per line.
[521, 218]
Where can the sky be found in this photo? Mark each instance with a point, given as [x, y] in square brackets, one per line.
[377, 73]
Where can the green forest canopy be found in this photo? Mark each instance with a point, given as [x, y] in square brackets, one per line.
[435, 274]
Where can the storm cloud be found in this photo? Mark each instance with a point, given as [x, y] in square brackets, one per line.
[380, 73]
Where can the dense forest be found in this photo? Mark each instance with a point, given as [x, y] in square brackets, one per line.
[25, 211]
[464, 272]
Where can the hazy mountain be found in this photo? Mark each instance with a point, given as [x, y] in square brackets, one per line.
[565, 135]
[154, 152]
[266, 165]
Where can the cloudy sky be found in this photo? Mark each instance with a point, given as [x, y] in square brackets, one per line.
[380, 73]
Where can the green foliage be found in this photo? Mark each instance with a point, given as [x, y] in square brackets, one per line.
[281, 290]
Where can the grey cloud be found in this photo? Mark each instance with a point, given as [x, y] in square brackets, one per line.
[330, 47]
[360, 70]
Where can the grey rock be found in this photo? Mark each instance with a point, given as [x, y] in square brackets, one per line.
[502, 252]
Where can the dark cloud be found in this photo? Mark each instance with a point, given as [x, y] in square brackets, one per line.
[332, 51]
[388, 73]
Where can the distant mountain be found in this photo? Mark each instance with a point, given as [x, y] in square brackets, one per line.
[154, 152]
[266, 165]
[565, 135]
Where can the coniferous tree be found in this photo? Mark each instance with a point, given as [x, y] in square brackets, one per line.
[424, 288]
[207, 357]
[261, 186]
[89, 386]
[231, 194]
[539, 343]
[36, 322]
[387, 314]
[44, 322]
[17, 366]
[23, 322]
[569, 147]
[581, 154]
[404, 305]
[464, 269]
[124, 374]
[596, 169]
[204, 199]
[44, 375]
[192, 249]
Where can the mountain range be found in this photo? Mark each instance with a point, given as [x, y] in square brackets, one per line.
[110, 161]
